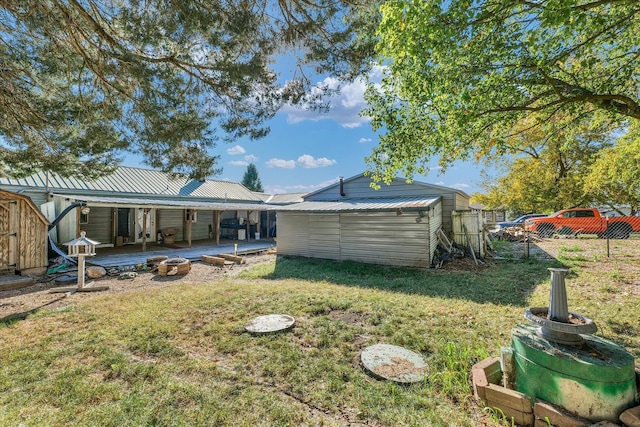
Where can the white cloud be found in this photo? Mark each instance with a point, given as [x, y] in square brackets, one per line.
[364, 140]
[309, 162]
[460, 186]
[280, 163]
[345, 106]
[251, 158]
[235, 150]
[238, 163]
[283, 189]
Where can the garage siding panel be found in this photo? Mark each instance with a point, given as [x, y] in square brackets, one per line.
[435, 222]
[324, 236]
[385, 238]
[293, 233]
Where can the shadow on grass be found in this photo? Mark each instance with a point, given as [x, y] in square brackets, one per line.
[12, 318]
[507, 283]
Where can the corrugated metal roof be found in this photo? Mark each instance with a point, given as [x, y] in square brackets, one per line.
[166, 204]
[130, 180]
[285, 199]
[354, 205]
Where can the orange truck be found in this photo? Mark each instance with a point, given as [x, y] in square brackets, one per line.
[585, 221]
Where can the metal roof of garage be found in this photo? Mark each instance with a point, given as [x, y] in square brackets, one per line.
[165, 204]
[357, 205]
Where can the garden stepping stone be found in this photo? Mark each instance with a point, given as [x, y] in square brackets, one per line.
[393, 363]
[270, 323]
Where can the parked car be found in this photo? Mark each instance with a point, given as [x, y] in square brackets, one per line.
[585, 221]
[518, 222]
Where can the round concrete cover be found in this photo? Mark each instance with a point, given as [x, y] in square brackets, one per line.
[390, 362]
[270, 323]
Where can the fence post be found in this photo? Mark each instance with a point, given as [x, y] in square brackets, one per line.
[606, 220]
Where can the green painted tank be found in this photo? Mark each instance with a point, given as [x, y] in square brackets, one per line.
[595, 381]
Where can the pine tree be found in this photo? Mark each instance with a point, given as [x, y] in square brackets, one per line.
[83, 83]
[251, 180]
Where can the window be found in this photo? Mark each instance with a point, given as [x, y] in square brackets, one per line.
[499, 216]
[84, 218]
[190, 215]
[488, 215]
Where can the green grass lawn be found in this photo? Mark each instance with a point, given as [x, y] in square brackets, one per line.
[179, 355]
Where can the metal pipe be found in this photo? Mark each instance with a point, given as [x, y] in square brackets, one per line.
[558, 310]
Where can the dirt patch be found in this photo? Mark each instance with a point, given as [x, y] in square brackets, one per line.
[20, 302]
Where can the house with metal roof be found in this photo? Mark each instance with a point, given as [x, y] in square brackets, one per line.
[135, 205]
[349, 220]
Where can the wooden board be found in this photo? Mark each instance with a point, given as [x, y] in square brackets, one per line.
[11, 282]
[233, 258]
[210, 259]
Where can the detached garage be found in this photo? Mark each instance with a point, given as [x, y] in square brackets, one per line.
[395, 225]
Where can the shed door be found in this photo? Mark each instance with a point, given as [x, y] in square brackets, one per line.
[8, 236]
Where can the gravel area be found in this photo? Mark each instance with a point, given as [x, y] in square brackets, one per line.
[19, 303]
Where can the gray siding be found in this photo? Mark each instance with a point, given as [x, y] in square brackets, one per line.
[462, 203]
[324, 236]
[166, 218]
[99, 226]
[293, 233]
[371, 237]
[200, 229]
[435, 222]
[359, 187]
[385, 238]
[38, 197]
[448, 206]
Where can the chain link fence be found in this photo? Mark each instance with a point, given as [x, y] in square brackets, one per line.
[585, 227]
[600, 237]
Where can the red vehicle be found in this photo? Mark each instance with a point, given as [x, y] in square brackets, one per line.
[585, 221]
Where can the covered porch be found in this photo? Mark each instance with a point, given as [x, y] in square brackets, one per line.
[132, 255]
[124, 221]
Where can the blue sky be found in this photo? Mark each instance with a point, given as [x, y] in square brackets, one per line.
[307, 150]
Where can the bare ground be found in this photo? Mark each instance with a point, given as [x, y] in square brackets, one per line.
[19, 303]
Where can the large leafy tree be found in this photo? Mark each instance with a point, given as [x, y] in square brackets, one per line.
[251, 180]
[614, 178]
[549, 167]
[82, 82]
[461, 74]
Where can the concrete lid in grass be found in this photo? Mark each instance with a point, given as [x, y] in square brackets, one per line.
[270, 323]
[393, 363]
